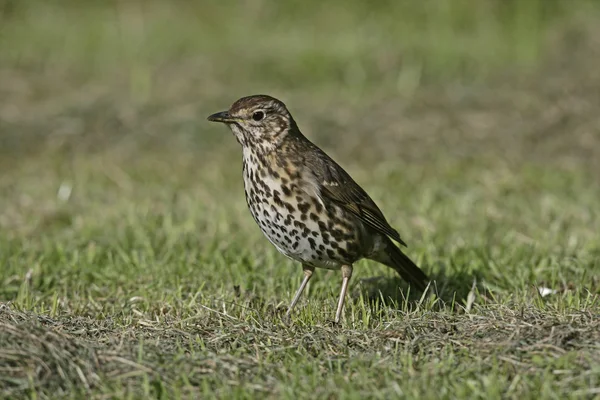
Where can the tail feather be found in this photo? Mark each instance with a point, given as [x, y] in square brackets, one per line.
[407, 269]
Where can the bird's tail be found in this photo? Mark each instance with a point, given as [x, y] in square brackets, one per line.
[408, 270]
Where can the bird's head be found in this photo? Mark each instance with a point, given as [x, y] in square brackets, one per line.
[258, 122]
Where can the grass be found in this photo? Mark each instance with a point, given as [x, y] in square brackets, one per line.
[130, 267]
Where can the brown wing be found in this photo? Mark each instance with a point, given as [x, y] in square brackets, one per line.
[338, 186]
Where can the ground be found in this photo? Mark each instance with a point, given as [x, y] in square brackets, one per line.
[131, 267]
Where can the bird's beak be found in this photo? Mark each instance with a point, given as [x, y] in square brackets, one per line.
[222, 116]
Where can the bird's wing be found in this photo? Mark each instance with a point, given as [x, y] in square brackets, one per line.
[338, 186]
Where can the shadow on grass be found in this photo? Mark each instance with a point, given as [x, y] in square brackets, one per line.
[395, 292]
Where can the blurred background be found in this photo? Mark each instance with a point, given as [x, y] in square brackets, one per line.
[470, 122]
[424, 75]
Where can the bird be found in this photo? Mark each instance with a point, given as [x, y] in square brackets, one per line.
[307, 205]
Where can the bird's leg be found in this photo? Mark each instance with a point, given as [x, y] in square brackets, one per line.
[308, 271]
[346, 274]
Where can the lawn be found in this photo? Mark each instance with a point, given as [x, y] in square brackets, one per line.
[130, 266]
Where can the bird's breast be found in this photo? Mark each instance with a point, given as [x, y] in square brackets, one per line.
[295, 221]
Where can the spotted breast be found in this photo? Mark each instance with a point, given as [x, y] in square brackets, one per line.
[295, 220]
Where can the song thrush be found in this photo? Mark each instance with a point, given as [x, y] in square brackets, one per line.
[308, 207]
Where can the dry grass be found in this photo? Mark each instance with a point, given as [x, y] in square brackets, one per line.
[531, 348]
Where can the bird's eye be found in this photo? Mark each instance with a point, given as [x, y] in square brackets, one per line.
[258, 115]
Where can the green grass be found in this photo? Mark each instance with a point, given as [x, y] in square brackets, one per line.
[131, 268]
